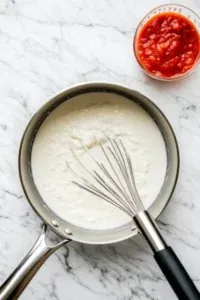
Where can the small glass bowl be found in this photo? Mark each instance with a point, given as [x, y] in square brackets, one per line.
[181, 9]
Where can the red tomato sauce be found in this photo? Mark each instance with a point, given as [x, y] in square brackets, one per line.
[167, 45]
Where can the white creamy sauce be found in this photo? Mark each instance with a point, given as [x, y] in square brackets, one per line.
[75, 123]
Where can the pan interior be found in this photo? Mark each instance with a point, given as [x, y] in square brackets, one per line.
[96, 221]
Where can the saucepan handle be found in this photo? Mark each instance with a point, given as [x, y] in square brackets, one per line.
[19, 279]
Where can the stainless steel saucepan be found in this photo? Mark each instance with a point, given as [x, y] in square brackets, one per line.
[18, 280]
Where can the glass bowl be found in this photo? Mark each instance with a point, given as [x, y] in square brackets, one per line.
[180, 9]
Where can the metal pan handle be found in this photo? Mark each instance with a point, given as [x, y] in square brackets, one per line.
[19, 279]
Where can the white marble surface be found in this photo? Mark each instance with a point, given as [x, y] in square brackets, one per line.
[44, 47]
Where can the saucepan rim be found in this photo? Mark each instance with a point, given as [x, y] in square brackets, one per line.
[59, 225]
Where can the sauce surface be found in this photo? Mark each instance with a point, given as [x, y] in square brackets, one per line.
[168, 45]
[74, 125]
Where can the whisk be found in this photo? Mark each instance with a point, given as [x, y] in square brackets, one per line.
[113, 181]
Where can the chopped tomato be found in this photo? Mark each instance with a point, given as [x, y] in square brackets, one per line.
[168, 45]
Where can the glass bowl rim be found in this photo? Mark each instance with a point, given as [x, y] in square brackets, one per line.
[135, 36]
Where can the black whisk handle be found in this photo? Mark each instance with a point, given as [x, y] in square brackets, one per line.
[176, 275]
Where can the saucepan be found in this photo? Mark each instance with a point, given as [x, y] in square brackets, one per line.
[18, 280]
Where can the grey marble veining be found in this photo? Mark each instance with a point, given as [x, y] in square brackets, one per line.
[44, 47]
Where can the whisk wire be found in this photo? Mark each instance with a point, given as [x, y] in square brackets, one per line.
[92, 189]
[116, 152]
[137, 201]
[106, 172]
[124, 194]
[112, 167]
[119, 185]
[99, 180]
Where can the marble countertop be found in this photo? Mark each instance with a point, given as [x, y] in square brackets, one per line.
[46, 46]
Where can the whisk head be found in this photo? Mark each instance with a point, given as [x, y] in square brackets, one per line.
[112, 181]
